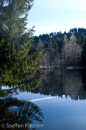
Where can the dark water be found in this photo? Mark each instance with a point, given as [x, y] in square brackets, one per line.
[59, 103]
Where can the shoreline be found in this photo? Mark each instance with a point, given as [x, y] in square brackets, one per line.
[67, 68]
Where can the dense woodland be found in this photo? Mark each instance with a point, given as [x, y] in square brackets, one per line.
[62, 49]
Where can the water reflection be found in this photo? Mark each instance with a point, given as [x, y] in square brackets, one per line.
[25, 86]
[14, 111]
[59, 82]
[55, 83]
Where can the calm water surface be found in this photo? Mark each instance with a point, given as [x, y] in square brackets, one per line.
[61, 98]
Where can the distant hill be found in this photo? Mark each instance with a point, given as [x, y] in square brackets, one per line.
[53, 44]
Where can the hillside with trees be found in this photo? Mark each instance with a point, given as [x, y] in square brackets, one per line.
[63, 49]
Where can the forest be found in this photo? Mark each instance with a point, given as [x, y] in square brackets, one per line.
[62, 50]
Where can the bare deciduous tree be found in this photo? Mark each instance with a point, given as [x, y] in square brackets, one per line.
[71, 51]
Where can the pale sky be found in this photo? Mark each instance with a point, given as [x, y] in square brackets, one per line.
[57, 15]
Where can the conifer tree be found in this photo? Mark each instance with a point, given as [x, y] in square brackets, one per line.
[15, 42]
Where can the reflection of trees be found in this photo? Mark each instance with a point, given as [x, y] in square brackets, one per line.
[59, 82]
[82, 91]
[13, 110]
[21, 112]
[22, 87]
[72, 84]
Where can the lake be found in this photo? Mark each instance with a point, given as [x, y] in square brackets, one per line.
[58, 103]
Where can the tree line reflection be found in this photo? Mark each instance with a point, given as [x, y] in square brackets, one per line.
[48, 82]
[59, 82]
[13, 110]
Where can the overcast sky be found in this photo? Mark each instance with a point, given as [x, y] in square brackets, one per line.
[57, 15]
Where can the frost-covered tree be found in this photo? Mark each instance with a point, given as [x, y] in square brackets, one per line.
[71, 51]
